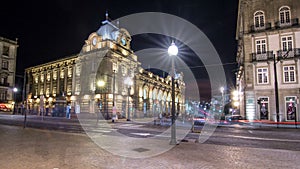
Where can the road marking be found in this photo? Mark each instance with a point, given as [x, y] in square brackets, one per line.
[131, 125]
[267, 139]
[141, 134]
[250, 131]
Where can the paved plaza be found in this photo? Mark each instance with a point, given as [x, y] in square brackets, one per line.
[34, 149]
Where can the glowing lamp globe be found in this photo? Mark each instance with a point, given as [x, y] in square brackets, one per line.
[15, 89]
[100, 83]
[172, 50]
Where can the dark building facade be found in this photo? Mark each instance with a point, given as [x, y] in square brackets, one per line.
[8, 53]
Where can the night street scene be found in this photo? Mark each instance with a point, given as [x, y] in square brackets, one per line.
[150, 84]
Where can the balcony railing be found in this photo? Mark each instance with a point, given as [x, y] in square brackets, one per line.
[255, 28]
[288, 54]
[262, 56]
[4, 84]
[293, 22]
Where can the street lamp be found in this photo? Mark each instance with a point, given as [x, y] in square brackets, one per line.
[172, 51]
[101, 84]
[222, 91]
[276, 90]
[128, 81]
[114, 108]
[235, 98]
[275, 61]
[15, 90]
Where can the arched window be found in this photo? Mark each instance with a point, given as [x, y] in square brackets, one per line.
[259, 19]
[284, 15]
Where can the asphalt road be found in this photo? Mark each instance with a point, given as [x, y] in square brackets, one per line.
[40, 148]
[229, 135]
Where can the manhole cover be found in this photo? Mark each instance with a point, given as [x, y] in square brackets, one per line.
[140, 150]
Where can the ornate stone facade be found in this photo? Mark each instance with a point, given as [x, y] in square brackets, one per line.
[97, 76]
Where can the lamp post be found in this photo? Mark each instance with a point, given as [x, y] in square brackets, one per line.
[23, 101]
[276, 91]
[236, 99]
[222, 92]
[101, 84]
[114, 108]
[128, 81]
[15, 90]
[172, 51]
[276, 83]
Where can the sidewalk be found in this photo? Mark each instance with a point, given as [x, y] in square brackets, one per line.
[33, 120]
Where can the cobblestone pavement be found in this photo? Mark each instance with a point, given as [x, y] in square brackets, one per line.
[35, 149]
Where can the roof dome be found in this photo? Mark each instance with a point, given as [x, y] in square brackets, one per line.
[108, 31]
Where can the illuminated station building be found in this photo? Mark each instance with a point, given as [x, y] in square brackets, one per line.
[105, 74]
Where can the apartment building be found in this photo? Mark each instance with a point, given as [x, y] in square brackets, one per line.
[268, 52]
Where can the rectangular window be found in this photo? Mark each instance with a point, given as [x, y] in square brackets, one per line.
[42, 77]
[287, 16]
[261, 46]
[287, 43]
[5, 50]
[289, 74]
[262, 23]
[282, 20]
[262, 76]
[256, 21]
[62, 73]
[3, 80]
[5, 64]
[115, 67]
[47, 91]
[36, 78]
[42, 91]
[124, 70]
[54, 74]
[78, 69]
[69, 90]
[77, 88]
[70, 72]
[54, 91]
[48, 76]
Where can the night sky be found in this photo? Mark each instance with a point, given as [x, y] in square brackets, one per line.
[49, 30]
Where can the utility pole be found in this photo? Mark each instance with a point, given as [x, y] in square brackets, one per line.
[276, 91]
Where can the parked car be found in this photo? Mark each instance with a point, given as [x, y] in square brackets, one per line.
[3, 107]
[199, 120]
[233, 118]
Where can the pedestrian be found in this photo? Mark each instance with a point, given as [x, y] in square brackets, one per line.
[47, 109]
[160, 119]
[68, 113]
[99, 112]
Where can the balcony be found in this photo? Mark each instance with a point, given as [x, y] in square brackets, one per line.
[293, 22]
[257, 57]
[4, 84]
[255, 28]
[294, 53]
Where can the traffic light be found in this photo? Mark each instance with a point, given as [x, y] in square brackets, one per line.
[258, 101]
